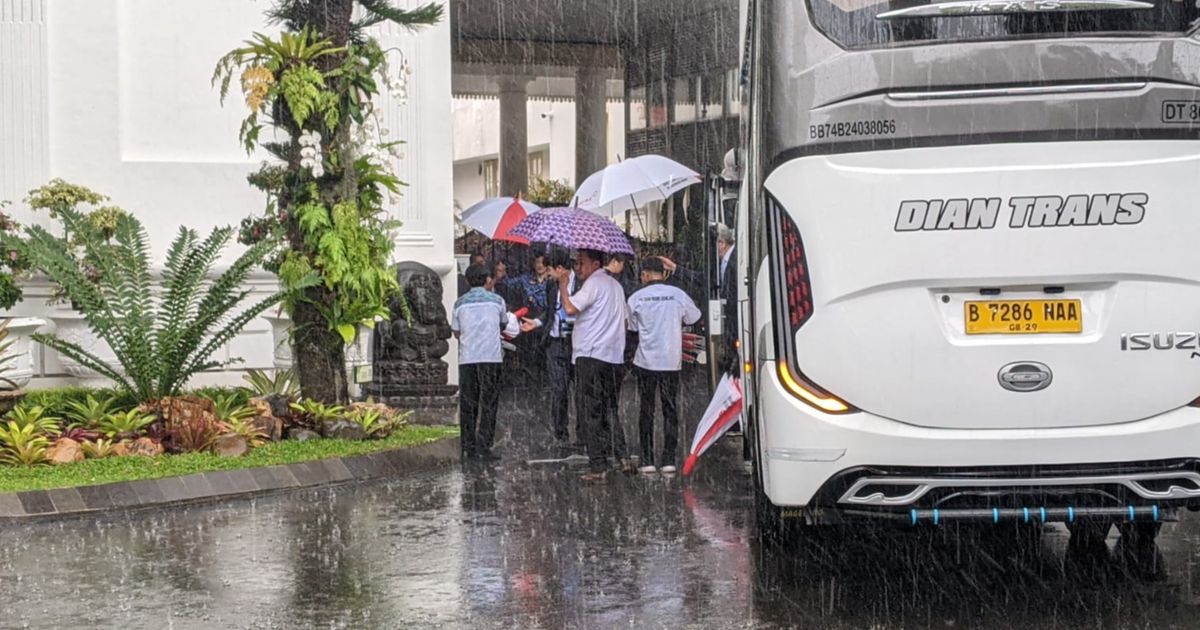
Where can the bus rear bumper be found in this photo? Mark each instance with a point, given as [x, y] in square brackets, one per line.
[866, 464]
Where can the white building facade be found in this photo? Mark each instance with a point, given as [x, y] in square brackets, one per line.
[115, 95]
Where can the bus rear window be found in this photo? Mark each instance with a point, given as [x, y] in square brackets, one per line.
[882, 23]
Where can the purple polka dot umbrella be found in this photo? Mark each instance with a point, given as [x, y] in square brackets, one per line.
[574, 229]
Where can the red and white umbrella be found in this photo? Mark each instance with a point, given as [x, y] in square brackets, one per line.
[495, 217]
[722, 413]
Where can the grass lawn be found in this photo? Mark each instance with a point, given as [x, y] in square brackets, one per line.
[108, 470]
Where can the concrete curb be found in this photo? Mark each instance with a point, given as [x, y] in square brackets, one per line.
[224, 484]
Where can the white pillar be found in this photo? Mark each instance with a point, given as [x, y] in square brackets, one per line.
[514, 136]
[591, 122]
[24, 99]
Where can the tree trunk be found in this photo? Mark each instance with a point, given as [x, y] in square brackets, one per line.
[319, 353]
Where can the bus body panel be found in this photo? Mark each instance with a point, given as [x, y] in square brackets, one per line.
[802, 449]
[898, 242]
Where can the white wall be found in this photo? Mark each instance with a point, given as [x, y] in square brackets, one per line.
[115, 95]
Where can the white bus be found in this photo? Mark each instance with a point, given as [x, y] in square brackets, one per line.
[973, 279]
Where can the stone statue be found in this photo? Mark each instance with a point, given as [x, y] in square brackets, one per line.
[407, 355]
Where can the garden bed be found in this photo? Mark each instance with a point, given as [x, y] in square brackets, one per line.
[117, 469]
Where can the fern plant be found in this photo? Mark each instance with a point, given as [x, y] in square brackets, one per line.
[160, 338]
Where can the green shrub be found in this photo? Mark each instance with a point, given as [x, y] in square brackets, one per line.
[237, 396]
[59, 401]
[160, 340]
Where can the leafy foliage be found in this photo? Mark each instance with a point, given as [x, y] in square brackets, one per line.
[326, 193]
[315, 413]
[88, 413]
[550, 192]
[36, 418]
[229, 407]
[297, 14]
[125, 425]
[22, 445]
[281, 383]
[98, 449]
[241, 426]
[160, 341]
[12, 263]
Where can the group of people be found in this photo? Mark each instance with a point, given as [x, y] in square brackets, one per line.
[588, 324]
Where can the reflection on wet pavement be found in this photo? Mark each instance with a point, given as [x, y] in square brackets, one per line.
[516, 546]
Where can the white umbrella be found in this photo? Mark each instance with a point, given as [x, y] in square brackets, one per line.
[495, 217]
[632, 184]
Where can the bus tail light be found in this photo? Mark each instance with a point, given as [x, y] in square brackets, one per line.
[792, 302]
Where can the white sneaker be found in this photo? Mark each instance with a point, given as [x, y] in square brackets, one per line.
[667, 470]
[647, 470]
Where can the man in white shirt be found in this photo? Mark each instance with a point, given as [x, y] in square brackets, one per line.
[598, 350]
[479, 319]
[658, 313]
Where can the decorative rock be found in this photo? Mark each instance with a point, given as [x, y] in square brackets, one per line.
[343, 430]
[302, 435]
[64, 451]
[120, 449]
[145, 447]
[230, 446]
[266, 419]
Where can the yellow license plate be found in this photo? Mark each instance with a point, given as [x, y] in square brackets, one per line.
[1023, 317]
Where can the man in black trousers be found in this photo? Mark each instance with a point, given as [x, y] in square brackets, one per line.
[598, 350]
[478, 320]
[556, 327]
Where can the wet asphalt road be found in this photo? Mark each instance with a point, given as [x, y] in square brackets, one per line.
[518, 546]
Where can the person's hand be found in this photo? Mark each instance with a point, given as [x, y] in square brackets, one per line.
[564, 279]
[529, 325]
[668, 264]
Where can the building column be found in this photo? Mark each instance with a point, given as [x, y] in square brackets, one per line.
[591, 122]
[514, 136]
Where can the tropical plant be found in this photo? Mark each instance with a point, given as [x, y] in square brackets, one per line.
[80, 434]
[99, 449]
[550, 192]
[316, 413]
[125, 425]
[193, 434]
[36, 417]
[254, 436]
[327, 190]
[229, 407]
[89, 412]
[372, 421]
[22, 445]
[160, 339]
[281, 383]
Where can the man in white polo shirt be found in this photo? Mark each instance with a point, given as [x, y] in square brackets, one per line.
[658, 312]
[598, 349]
